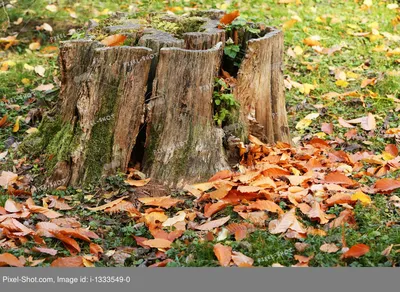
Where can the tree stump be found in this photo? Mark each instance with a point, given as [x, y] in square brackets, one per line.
[149, 101]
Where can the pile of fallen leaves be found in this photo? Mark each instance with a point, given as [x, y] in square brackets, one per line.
[273, 185]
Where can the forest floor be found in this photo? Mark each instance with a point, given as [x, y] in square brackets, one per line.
[342, 80]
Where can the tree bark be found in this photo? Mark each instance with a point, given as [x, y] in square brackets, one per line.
[101, 121]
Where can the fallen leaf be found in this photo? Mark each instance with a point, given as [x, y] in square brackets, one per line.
[213, 224]
[329, 248]
[137, 183]
[68, 262]
[211, 209]
[7, 259]
[40, 70]
[229, 17]
[356, 251]
[158, 243]
[108, 205]
[338, 178]
[114, 40]
[95, 249]
[223, 254]
[50, 251]
[241, 260]
[387, 185]
[163, 202]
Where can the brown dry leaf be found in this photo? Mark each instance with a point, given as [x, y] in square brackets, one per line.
[285, 222]
[367, 82]
[339, 198]
[69, 242]
[338, 178]
[42, 210]
[222, 189]
[95, 249]
[257, 218]
[312, 41]
[50, 251]
[241, 260]
[213, 224]
[68, 262]
[180, 217]
[12, 206]
[223, 174]
[392, 149]
[356, 251]
[137, 183]
[7, 178]
[223, 254]
[329, 248]
[211, 209]
[155, 217]
[316, 212]
[158, 243]
[108, 205]
[386, 185]
[58, 203]
[3, 120]
[344, 123]
[266, 205]
[114, 40]
[163, 202]
[122, 207]
[229, 17]
[368, 123]
[7, 259]
[327, 128]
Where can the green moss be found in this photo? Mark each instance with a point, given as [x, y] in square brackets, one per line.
[181, 26]
[100, 145]
[60, 145]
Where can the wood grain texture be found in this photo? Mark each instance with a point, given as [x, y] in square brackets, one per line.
[260, 88]
[183, 145]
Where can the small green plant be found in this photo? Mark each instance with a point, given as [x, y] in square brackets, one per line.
[225, 104]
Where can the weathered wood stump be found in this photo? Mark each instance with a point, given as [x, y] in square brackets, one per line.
[150, 101]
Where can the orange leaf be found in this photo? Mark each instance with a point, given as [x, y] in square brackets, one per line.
[68, 262]
[68, 241]
[266, 205]
[3, 120]
[158, 243]
[163, 202]
[213, 224]
[338, 178]
[392, 149]
[161, 264]
[387, 185]
[95, 249]
[221, 191]
[108, 205]
[211, 209]
[241, 260]
[316, 212]
[228, 18]
[7, 259]
[58, 203]
[223, 254]
[12, 206]
[356, 251]
[137, 183]
[114, 40]
[223, 174]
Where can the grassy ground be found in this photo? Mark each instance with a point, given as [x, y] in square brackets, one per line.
[336, 22]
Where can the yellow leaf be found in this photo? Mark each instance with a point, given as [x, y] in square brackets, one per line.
[25, 81]
[51, 8]
[302, 124]
[34, 46]
[298, 50]
[28, 67]
[342, 83]
[363, 198]
[387, 156]
[16, 125]
[289, 24]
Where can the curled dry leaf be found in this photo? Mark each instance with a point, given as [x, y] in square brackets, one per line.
[95, 249]
[137, 183]
[223, 254]
[356, 251]
[181, 215]
[12, 206]
[213, 224]
[7, 259]
[211, 209]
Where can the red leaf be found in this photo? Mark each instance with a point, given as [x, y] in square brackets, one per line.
[356, 251]
[392, 149]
